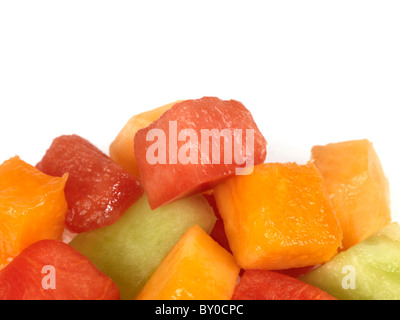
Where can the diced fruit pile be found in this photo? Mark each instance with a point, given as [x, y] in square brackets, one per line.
[187, 207]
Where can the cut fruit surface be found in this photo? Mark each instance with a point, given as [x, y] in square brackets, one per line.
[218, 232]
[369, 270]
[122, 149]
[52, 270]
[196, 268]
[278, 217]
[98, 190]
[130, 250]
[32, 207]
[297, 272]
[356, 186]
[200, 141]
[269, 285]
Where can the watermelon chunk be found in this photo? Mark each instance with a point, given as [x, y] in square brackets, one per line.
[98, 190]
[218, 232]
[268, 285]
[297, 272]
[184, 141]
[52, 270]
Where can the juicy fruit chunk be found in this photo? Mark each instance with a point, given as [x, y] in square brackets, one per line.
[369, 270]
[52, 270]
[269, 285]
[192, 129]
[122, 149]
[98, 191]
[357, 187]
[218, 232]
[297, 272]
[32, 207]
[278, 217]
[131, 249]
[197, 268]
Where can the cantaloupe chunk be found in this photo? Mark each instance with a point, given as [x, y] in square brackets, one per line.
[278, 217]
[122, 148]
[196, 268]
[356, 186]
[32, 207]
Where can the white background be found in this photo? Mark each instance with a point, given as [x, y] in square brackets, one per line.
[311, 72]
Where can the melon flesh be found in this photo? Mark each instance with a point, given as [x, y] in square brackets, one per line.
[122, 149]
[374, 263]
[130, 250]
[357, 187]
[197, 268]
[278, 217]
[32, 207]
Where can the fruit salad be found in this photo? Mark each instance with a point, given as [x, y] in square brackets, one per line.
[187, 206]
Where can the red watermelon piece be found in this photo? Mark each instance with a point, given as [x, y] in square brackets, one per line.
[52, 270]
[269, 285]
[98, 191]
[175, 155]
[297, 272]
[218, 232]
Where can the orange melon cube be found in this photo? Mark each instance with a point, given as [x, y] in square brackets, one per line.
[196, 268]
[278, 217]
[32, 207]
[122, 148]
[357, 187]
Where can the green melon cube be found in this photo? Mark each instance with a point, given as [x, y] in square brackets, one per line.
[130, 250]
[369, 270]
